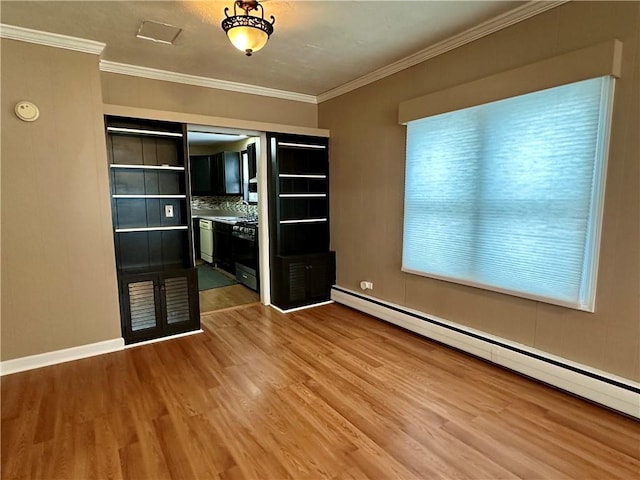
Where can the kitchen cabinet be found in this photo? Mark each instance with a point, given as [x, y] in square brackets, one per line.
[151, 213]
[302, 279]
[298, 169]
[227, 173]
[215, 175]
[250, 184]
[158, 304]
[196, 239]
[201, 175]
[252, 163]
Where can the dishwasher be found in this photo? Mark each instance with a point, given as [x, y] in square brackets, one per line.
[206, 240]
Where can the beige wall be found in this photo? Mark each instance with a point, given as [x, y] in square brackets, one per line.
[367, 179]
[58, 271]
[174, 97]
[59, 286]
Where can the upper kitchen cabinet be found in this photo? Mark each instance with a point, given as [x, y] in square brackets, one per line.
[250, 181]
[215, 175]
[201, 175]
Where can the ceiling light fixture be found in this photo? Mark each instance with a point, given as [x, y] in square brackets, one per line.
[248, 33]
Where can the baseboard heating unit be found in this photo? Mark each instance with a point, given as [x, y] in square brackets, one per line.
[601, 387]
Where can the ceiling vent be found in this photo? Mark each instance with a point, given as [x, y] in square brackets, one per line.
[158, 32]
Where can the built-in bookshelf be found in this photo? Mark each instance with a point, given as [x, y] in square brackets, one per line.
[303, 267]
[150, 204]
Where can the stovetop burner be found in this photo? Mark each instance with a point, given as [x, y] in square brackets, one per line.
[246, 229]
[247, 223]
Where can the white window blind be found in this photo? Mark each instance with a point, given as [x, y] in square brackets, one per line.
[508, 195]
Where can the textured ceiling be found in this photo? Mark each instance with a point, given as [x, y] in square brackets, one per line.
[316, 46]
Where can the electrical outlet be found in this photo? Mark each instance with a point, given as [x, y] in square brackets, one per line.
[168, 211]
[365, 285]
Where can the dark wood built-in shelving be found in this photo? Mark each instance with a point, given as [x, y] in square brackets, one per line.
[150, 203]
[303, 267]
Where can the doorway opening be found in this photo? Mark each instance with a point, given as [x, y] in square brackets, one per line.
[225, 207]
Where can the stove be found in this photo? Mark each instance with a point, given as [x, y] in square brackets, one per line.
[246, 229]
[245, 246]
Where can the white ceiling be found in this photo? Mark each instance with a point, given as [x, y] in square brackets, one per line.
[316, 46]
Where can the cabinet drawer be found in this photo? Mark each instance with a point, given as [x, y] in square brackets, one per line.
[246, 276]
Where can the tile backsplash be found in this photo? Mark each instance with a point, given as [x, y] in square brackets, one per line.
[227, 204]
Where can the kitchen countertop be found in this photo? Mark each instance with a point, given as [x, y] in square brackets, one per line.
[218, 218]
[222, 216]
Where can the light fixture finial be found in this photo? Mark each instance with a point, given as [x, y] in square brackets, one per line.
[248, 33]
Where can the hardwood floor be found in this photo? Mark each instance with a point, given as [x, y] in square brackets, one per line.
[220, 298]
[320, 393]
[226, 297]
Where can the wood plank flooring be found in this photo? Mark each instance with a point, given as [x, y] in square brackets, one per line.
[226, 297]
[321, 393]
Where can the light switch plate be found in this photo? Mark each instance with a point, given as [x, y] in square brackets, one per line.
[168, 211]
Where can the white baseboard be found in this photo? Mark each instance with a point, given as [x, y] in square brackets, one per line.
[601, 387]
[60, 356]
[162, 339]
[304, 307]
[76, 353]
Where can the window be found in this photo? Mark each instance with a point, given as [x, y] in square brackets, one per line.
[508, 195]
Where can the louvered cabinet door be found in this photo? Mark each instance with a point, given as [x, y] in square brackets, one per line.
[140, 307]
[180, 301]
[303, 279]
[158, 304]
[176, 293]
[297, 279]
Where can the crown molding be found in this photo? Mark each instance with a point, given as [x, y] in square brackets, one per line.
[89, 46]
[175, 77]
[505, 20]
[51, 39]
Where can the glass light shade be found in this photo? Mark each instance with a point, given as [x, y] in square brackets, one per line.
[247, 39]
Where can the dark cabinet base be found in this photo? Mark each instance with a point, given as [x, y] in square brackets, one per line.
[300, 280]
[159, 304]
